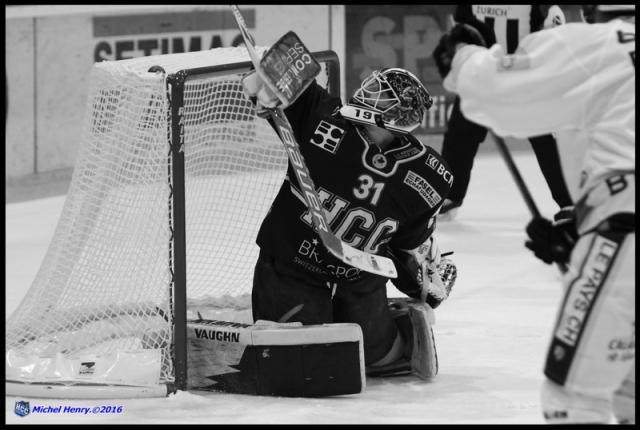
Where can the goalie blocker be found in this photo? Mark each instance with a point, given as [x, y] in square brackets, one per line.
[289, 68]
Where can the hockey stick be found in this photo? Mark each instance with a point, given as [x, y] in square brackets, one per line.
[368, 262]
[522, 187]
[515, 173]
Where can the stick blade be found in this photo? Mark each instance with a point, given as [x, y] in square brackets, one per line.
[376, 264]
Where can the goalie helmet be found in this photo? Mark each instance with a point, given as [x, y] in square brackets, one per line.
[397, 95]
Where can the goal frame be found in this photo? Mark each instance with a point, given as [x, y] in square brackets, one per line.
[178, 258]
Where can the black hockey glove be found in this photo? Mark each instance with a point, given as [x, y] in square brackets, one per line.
[552, 242]
[473, 32]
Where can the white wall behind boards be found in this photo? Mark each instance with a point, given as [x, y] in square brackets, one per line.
[51, 49]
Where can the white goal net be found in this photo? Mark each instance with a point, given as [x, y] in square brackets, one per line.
[100, 310]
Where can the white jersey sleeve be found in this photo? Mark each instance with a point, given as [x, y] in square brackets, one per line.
[576, 79]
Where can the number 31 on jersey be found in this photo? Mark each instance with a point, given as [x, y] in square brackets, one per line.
[368, 189]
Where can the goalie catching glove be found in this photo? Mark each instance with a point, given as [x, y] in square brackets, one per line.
[424, 274]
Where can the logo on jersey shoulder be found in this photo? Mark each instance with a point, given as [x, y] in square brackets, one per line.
[379, 161]
[423, 188]
[327, 136]
[435, 164]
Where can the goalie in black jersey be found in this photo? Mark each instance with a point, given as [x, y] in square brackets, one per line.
[381, 189]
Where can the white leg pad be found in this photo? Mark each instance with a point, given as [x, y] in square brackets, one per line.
[275, 359]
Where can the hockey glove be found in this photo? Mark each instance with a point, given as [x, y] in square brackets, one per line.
[442, 57]
[259, 94]
[552, 242]
[473, 32]
[424, 274]
[442, 277]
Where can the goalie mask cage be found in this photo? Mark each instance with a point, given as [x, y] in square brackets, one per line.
[174, 175]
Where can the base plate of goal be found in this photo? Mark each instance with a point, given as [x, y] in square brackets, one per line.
[76, 391]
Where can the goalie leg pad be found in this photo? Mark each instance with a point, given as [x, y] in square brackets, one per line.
[424, 357]
[289, 360]
[415, 321]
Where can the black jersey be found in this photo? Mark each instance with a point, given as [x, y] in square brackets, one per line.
[373, 199]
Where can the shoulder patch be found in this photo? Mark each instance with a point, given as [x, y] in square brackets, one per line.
[422, 186]
[327, 136]
[386, 163]
[440, 169]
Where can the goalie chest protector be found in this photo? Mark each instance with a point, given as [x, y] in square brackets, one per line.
[373, 198]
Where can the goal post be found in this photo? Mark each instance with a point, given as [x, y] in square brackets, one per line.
[174, 175]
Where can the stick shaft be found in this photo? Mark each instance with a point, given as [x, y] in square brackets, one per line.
[517, 177]
[522, 186]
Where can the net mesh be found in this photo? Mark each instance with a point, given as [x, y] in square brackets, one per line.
[105, 283]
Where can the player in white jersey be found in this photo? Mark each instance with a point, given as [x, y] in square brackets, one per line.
[506, 25]
[577, 81]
